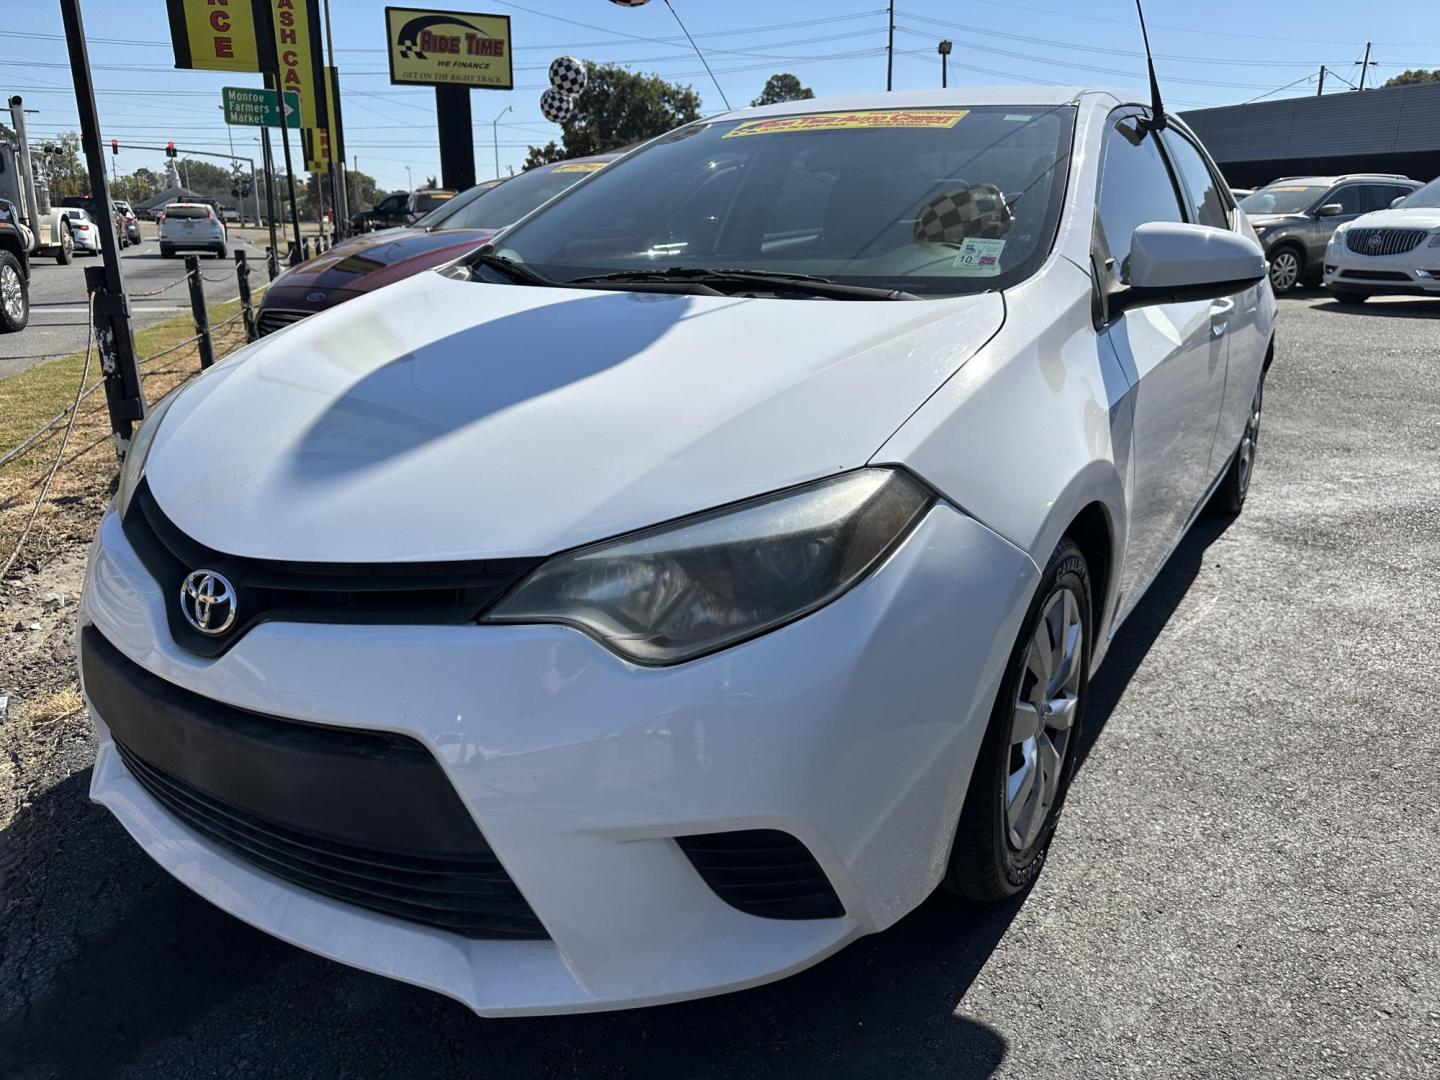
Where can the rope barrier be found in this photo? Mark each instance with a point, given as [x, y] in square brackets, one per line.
[164, 288]
[60, 454]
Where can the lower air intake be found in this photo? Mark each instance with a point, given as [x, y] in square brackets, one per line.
[763, 872]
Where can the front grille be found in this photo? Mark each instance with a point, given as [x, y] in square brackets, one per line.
[1383, 241]
[364, 817]
[266, 590]
[1375, 275]
[763, 872]
[272, 319]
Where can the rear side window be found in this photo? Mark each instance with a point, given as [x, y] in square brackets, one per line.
[1203, 198]
[1135, 187]
[1351, 198]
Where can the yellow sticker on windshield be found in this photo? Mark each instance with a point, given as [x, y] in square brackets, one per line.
[889, 119]
[581, 166]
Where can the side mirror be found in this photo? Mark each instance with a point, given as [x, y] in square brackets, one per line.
[1398, 200]
[1171, 263]
[1330, 209]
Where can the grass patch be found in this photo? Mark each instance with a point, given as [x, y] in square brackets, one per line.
[51, 707]
[31, 397]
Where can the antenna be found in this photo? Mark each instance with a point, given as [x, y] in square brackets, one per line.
[1157, 107]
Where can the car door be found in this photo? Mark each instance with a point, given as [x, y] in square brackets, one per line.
[1352, 200]
[1171, 353]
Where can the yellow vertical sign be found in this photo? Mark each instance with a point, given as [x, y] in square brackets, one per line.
[317, 149]
[295, 55]
[214, 35]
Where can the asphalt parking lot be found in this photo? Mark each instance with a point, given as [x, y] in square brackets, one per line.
[59, 312]
[1244, 883]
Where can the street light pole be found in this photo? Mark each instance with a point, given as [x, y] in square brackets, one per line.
[495, 134]
[944, 50]
[409, 180]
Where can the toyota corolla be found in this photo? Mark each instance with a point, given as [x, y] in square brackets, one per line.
[696, 577]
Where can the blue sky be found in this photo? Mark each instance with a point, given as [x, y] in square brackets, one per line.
[1216, 52]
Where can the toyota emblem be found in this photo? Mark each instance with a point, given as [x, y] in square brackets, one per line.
[208, 602]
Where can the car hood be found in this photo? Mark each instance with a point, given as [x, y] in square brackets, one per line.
[1399, 219]
[1270, 220]
[364, 262]
[447, 419]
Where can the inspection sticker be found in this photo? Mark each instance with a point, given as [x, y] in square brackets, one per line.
[978, 258]
[580, 166]
[908, 118]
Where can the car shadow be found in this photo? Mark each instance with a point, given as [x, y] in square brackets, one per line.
[108, 967]
[1418, 307]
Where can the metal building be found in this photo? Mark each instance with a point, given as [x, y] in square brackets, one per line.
[1392, 131]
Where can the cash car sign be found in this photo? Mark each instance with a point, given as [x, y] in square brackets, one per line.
[449, 48]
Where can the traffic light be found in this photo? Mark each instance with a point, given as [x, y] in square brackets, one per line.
[115, 147]
[170, 148]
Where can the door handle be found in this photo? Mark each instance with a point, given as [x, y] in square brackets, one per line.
[1220, 312]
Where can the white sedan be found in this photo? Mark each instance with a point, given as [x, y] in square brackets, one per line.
[83, 229]
[1394, 252]
[696, 577]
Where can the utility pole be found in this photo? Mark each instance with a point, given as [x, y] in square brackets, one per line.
[495, 134]
[110, 308]
[271, 211]
[944, 50]
[337, 143]
[890, 52]
[1321, 91]
[273, 78]
[1365, 65]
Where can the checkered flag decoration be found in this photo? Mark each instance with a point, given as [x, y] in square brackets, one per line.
[629, 3]
[555, 106]
[979, 212]
[567, 75]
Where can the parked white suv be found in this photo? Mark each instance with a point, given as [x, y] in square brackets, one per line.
[1388, 252]
[694, 578]
[191, 226]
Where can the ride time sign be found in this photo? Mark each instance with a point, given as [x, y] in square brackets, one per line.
[449, 48]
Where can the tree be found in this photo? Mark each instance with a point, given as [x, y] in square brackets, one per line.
[543, 155]
[204, 178]
[783, 87]
[1413, 77]
[619, 107]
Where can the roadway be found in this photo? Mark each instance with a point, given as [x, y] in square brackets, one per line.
[58, 308]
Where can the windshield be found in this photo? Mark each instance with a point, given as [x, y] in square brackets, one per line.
[1425, 198]
[445, 209]
[512, 200]
[928, 201]
[1283, 199]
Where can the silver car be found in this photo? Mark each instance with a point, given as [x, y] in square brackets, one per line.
[193, 226]
[1295, 216]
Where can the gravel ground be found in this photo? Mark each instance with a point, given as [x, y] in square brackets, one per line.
[1243, 886]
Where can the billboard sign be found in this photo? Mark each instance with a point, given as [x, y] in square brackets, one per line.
[449, 48]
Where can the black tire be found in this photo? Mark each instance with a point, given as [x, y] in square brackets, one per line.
[1286, 276]
[984, 865]
[1342, 297]
[1229, 497]
[14, 306]
[221, 252]
[66, 255]
[166, 251]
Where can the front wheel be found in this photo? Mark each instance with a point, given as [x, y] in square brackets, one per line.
[66, 255]
[1229, 498]
[1285, 268]
[1028, 756]
[14, 295]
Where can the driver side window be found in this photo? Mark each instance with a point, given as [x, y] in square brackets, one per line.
[1135, 187]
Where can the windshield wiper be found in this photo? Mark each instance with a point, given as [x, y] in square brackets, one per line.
[517, 272]
[772, 280]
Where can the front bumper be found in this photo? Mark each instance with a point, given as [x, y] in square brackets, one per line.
[854, 730]
[1415, 272]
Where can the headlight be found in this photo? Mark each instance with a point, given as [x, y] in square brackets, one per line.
[1435, 240]
[676, 591]
[134, 467]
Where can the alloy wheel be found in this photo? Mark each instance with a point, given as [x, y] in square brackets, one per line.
[1249, 443]
[1284, 271]
[1044, 718]
[12, 295]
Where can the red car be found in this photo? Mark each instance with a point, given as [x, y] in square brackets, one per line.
[367, 262]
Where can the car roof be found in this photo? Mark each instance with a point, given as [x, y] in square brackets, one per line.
[197, 205]
[1326, 181]
[935, 98]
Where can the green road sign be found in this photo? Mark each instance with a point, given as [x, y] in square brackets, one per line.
[256, 108]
